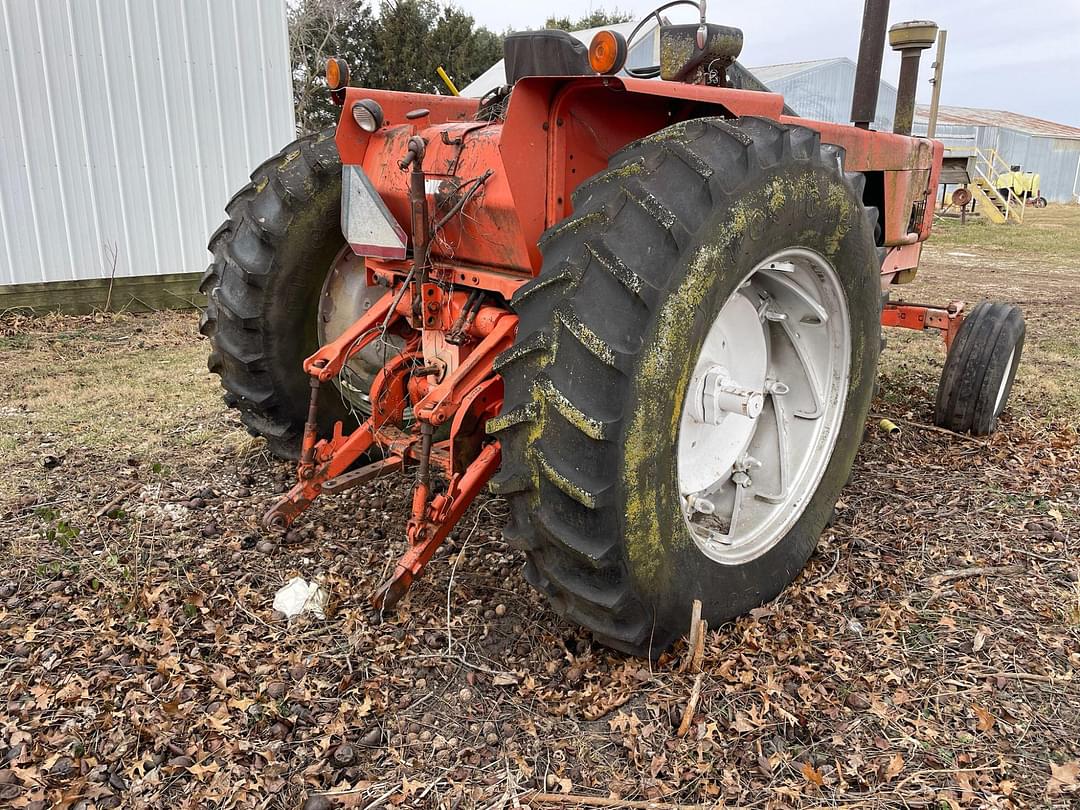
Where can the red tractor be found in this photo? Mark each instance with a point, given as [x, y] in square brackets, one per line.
[642, 305]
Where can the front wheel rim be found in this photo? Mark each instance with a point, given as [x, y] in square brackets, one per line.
[763, 408]
[999, 400]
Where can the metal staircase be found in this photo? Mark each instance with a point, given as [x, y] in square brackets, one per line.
[995, 206]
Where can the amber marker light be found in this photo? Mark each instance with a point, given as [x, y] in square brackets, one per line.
[607, 52]
[337, 73]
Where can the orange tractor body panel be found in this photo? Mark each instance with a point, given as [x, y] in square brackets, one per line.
[560, 131]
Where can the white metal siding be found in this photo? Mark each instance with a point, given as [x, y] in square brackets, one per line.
[125, 125]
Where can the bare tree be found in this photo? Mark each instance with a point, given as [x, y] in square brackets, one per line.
[319, 29]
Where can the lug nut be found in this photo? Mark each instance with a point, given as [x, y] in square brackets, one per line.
[702, 505]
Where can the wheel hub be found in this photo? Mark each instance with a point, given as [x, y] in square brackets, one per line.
[719, 395]
[345, 297]
[763, 406]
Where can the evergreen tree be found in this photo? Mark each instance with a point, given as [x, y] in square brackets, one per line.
[397, 50]
[594, 19]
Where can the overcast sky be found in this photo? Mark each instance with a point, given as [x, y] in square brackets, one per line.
[1022, 56]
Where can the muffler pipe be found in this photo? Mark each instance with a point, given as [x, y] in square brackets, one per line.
[910, 39]
[868, 70]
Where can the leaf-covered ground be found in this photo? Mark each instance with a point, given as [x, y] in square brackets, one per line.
[929, 655]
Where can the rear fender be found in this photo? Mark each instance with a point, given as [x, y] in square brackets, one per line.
[560, 131]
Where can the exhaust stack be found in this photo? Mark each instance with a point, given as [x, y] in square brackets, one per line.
[910, 39]
[868, 70]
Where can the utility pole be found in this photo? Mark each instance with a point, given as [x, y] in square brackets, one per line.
[935, 100]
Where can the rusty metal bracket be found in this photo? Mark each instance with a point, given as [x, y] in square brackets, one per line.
[442, 514]
[370, 472]
[947, 319]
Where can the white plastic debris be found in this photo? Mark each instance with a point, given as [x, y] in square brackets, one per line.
[298, 595]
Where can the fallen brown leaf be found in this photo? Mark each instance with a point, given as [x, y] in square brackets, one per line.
[1064, 778]
[985, 720]
[812, 775]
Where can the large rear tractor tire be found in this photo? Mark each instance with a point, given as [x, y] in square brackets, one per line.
[282, 281]
[691, 375]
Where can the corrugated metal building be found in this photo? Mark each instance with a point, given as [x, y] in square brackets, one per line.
[125, 127]
[822, 90]
[1049, 149]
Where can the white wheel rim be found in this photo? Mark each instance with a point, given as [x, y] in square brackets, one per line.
[764, 405]
[999, 403]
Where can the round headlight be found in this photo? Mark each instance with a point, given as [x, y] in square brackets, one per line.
[367, 114]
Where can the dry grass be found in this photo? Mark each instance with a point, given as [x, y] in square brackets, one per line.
[1049, 233]
[102, 384]
[1035, 265]
[928, 656]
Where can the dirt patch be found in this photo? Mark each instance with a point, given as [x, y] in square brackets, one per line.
[927, 656]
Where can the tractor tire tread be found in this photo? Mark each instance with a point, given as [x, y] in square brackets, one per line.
[258, 219]
[563, 396]
[967, 397]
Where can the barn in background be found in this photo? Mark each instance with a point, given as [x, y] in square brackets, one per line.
[125, 128]
[1046, 148]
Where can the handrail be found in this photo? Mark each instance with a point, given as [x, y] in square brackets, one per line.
[991, 158]
[995, 158]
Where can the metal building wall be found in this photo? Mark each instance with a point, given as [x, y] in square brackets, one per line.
[952, 135]
[1056, 160]
[823, 93]
[125, 125]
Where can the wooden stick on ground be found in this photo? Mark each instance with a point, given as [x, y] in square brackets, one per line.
[695, 639]
[696, 649]
[976, 571]
[1030, 676]
[115, 502]
[691, 706]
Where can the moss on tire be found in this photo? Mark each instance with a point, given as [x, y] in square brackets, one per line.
[607, 338]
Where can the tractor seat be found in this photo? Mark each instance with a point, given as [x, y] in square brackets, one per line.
[544, 53]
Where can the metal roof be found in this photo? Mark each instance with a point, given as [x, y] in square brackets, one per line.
[772, 73]
[974, 116]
